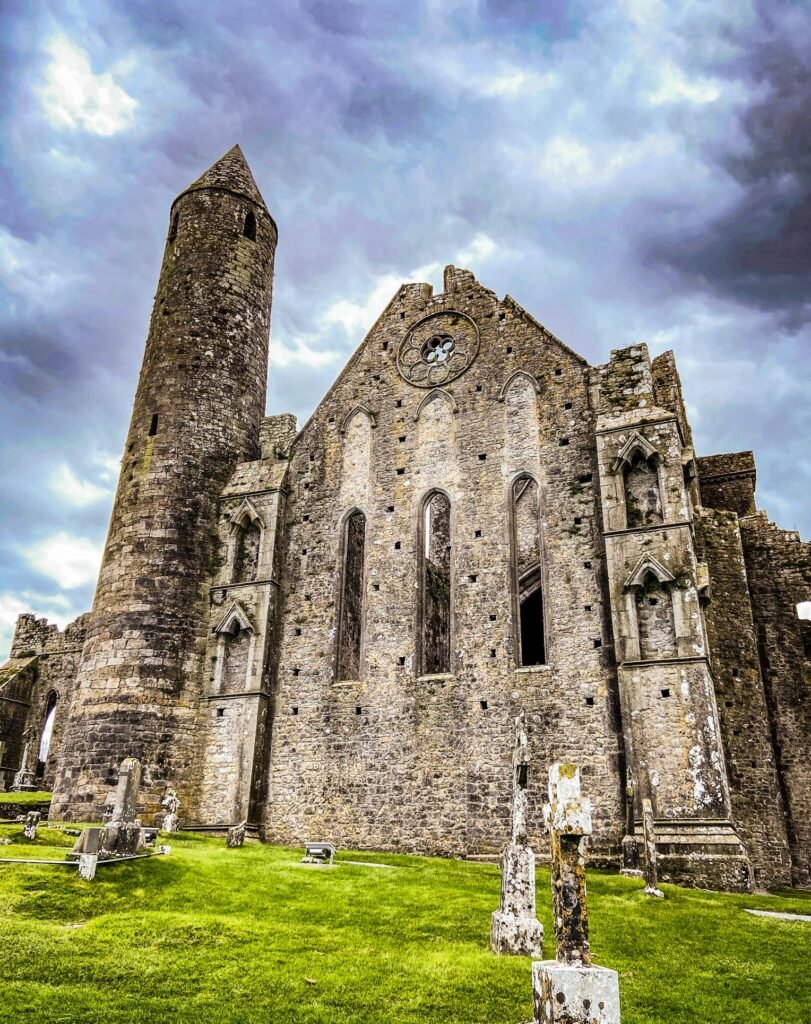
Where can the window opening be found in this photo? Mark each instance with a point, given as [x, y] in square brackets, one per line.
[435, 579]
[350, 633]
[47, 734]
[526, 532]
[249, 230]
[643, 504]
[153, 426]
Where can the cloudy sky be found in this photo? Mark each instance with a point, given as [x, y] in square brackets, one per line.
[627, 170]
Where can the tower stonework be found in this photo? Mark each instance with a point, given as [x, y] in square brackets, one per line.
[198, 411]
[331, 631]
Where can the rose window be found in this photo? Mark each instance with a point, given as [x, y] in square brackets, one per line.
[438, 349]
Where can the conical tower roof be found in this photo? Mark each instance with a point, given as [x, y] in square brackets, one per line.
[230, 173]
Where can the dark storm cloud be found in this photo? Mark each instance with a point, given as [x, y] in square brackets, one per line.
[627, 171]
[758, 250]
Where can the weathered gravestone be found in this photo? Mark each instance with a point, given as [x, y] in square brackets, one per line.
[87, 847]
[24, 779]
[236, 834]
[630, 845]
[170, 819]
[514, 928]
[649, 838]
[571, 989]
[123, 835]
[31, 823]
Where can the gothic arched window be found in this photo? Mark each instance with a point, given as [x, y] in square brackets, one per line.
[527, 569]
[350, 629]
[643, 502]
[47, 733]
[435, 584]
[246, 550]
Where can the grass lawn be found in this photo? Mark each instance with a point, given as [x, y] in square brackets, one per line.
[209, 935]
[22, 798]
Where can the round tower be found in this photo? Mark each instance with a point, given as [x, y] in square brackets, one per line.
[197, 412]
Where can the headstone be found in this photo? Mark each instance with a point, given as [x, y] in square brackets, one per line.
[123, 835]
[31, 823]
[236, 835]
[87, 866]
[649, 838]
[514, 928]
[125, 807]
[170, 820]
[24, 780]
[571, 989]
[630, 845]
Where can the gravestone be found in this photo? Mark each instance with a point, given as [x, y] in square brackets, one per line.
[630, 845]
[123, 835]
[24, 780]
[514, 928]
[571, 989]
[31, 823]
[170, 819]
[236, 835]
[88, 846]
[649, 839]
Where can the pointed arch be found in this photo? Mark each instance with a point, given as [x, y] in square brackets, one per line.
[246, 510]
[634, 447]
[436, 393]
[512, 379]
[47, 732]
[234, 616]
[648, 565]
[351, 604]
[358, 411]
[435, 581]
[524, 513]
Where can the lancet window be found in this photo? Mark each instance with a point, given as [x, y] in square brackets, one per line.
[528, 572]
[350, 632]
[435, 584]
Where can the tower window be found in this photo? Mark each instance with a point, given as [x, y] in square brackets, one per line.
[249, 230]
[526, 539]
[435, 584]
[173, 227]
[153, 426]
[350, 630]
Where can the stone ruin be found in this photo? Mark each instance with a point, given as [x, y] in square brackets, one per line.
[170, 819]
[236, 835]
[514, 927]
[24, 780]
[123, 835]
[571, 989]
[31, 824]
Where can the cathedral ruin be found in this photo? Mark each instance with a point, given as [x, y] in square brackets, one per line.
[329, 631]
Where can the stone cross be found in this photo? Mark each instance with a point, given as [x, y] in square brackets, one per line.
[24, 779]
[568, 816]
[31, 823]
[171, 803]
[571, 989]
[514, 928]
[649, 839]
[236, 835]
[126, 794]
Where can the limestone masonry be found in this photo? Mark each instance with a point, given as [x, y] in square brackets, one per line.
[329, 632]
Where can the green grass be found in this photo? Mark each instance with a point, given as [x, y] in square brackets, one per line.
[24, 798]
[216, 936]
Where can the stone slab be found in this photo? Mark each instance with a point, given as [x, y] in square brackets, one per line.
[572, 994]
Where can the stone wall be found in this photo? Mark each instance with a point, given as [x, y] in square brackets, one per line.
[757, 801]
[778, 569]
[395, 759]
[43, 663]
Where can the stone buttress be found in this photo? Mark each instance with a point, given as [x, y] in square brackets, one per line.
[673, 741]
